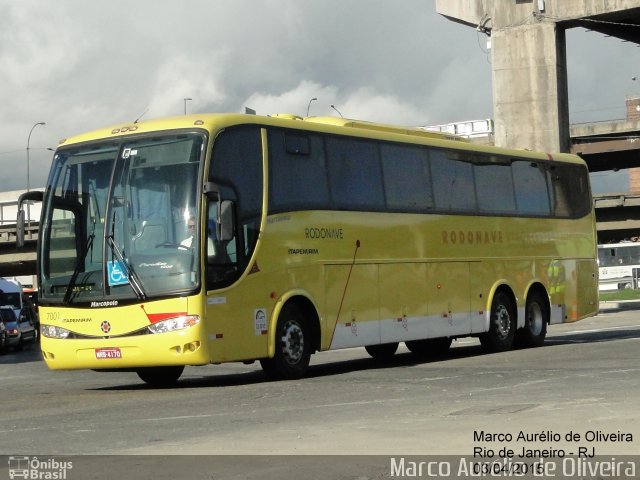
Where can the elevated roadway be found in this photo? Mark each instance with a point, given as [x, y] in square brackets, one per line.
[608, 145]
[14, 261]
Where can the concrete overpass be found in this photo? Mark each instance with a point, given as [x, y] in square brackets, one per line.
[13, 261]
[528, 59]
[610, 145]
[617, 216]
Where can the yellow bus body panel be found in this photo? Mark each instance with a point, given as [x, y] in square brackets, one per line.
[411, 277]
[370, 277]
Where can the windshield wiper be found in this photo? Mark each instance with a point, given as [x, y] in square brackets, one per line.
[72, 281]
[134, 279]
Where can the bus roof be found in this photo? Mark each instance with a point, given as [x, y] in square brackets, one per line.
[335, 125]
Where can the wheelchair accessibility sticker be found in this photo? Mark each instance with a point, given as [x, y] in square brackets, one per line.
[117, 275]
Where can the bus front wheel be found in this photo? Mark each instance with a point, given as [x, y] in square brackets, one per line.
[502, 325]
[293, 346]
[160, 376]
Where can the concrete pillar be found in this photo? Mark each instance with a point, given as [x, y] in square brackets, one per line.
[530, 95]
[529, 67]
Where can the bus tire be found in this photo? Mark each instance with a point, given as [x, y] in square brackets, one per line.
[535, 322]
[502, 325]
[293, 346]
[160, 376]
[431, 347]
[382, 351]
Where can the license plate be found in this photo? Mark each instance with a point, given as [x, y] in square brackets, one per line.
[108, 353]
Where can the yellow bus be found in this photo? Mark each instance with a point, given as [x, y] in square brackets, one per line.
[233, 238]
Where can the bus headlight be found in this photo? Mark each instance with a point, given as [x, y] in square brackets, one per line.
[51, 331]
[176, 323]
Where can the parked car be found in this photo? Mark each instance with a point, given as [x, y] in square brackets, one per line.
[6, 316]
[20, 329]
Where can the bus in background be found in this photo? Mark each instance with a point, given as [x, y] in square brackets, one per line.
[233, 238]
[616, 265]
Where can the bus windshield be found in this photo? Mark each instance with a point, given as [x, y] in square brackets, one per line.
[116, 217]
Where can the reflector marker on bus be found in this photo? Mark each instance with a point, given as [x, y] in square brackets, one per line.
[216, 300]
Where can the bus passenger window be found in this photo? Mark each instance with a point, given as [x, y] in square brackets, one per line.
[407, 180]
[494, 187]
[355, 176]
[532, 193]
[297, 172]
[453, 184]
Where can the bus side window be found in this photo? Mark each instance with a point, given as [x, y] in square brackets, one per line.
[570, 186]
[236, 168]
[532, 193]
[407, 178]
[297, 172]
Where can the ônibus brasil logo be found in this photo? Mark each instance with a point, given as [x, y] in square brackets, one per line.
[34, 468]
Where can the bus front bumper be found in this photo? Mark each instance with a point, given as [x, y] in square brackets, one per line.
[185, 347]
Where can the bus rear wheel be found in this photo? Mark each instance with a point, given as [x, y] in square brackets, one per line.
[535, 323]
[293, 346]
[502, 325]
[160, 376]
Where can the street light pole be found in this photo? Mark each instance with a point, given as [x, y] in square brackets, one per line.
[309, 106]
[185, 104]
[28, 175]
[28, 144]
[334, 107]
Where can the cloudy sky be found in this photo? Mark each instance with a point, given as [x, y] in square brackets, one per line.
[79, 65]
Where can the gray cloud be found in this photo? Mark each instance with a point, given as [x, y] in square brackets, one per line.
[80, 65]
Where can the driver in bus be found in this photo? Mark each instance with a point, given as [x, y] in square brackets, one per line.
[191, 230]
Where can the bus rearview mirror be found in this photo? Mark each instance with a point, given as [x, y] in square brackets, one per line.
[33, 196]
[225, 224]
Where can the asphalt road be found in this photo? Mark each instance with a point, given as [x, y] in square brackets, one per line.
[579, 391]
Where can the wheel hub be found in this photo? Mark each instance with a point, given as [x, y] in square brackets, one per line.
[503, 321]
[292, 342]
[535, 319]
